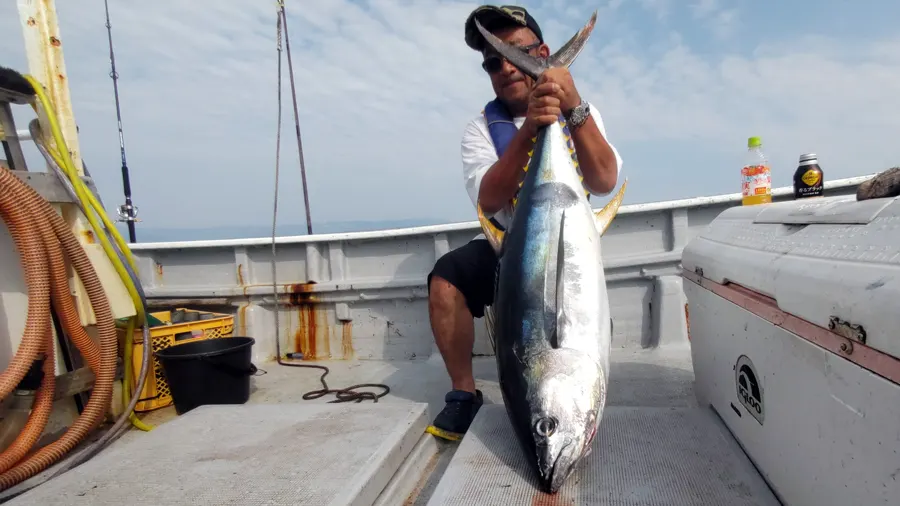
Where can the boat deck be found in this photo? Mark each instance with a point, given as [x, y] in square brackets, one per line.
[654, 378]
[656, 446]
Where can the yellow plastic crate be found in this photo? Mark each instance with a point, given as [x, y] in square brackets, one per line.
[155, 393]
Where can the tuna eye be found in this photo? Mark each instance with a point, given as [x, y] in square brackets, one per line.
[544, 427]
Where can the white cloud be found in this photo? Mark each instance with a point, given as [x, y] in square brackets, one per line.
[385, 88]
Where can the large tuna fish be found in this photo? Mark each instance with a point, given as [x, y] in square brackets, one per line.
[550, 322]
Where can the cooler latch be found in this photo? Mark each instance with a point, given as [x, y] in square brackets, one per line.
[850, 331]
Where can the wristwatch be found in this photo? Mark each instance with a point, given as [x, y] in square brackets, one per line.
[578, 115]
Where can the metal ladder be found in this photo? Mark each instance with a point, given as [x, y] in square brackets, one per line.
[12, 146]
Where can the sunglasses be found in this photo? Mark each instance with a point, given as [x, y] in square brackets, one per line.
[494, 62]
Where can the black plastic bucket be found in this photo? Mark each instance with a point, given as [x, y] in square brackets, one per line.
[212, 371]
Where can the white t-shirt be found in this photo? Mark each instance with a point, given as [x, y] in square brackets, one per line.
[478, 154]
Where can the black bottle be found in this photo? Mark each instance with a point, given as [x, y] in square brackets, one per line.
[808, 179]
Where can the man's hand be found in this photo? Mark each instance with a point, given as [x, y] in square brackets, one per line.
[567, 94]
[543, 107]
[554, 93]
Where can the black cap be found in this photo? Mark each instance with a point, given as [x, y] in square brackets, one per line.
[492, 17]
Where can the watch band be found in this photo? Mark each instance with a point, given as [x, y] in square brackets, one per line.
[578, 115]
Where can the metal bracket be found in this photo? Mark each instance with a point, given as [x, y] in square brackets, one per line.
[847, 330]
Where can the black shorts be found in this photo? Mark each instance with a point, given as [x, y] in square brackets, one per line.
[471, 269]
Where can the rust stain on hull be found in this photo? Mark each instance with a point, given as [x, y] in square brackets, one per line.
[347, 340]
[305, 337]
[301, 293]
[242, 318]
[240, 274]
[311, 322]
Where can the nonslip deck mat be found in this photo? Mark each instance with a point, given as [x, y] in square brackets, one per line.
[310, 454]
[641, 457]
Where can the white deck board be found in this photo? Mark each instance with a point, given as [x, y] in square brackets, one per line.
[315, 454]
[642, 456]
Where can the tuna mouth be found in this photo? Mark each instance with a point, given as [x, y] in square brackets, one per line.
[553, 479]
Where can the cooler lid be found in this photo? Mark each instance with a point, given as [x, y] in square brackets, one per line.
[843, 209]
[830, 258]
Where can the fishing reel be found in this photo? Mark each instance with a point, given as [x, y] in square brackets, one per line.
[128, 213]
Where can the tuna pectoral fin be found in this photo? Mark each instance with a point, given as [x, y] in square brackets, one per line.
[494, 235]
[604, 217]
[556, 268]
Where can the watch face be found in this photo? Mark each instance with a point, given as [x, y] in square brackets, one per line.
[579, 113]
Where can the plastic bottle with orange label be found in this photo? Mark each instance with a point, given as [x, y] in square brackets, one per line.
[809, 179]
[756, 175]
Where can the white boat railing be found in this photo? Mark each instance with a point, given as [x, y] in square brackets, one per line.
[363, 294]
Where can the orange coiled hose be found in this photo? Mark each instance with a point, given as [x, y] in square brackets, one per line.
[40, 413]
[30, 219]
[34, 260]
[68, 315]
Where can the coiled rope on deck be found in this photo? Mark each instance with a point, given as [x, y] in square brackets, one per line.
[348, 394]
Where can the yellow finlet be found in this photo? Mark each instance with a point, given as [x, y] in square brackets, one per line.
[443, 434]
[494, 235]
[604, 217]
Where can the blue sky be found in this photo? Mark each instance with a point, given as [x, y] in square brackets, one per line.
[387, 86]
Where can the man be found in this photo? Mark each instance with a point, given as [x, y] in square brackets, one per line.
[495, 147]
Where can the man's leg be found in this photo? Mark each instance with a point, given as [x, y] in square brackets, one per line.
[459, 286]
[454, 331]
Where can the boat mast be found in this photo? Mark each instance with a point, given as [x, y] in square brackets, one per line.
[44, 50]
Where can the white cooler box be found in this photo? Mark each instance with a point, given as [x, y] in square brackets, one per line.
[794, 321]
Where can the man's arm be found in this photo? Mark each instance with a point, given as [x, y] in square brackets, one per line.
[501, 181]
[598, 161]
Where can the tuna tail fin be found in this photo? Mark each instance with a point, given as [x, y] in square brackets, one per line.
[570, 50]
[494, 235]
[604, 217]
[533, 66]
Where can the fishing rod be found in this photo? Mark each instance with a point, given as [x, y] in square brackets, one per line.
[127, 212]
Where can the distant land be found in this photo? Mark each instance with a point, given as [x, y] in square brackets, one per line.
[158, 234]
